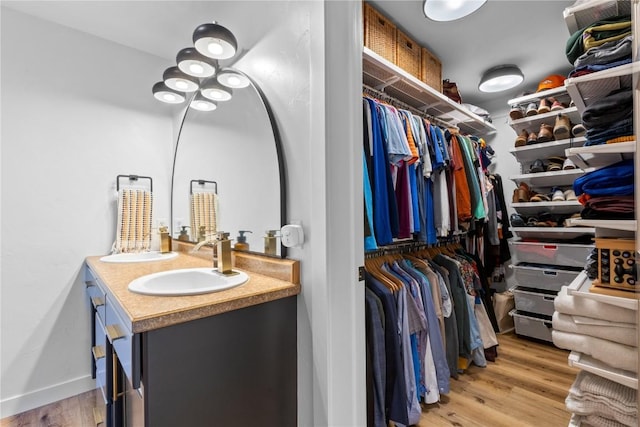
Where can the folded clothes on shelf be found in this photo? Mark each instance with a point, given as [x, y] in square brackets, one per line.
[611, 353]
[568, 304]
[613, 180]
[622, 333]
[606, 53]
[615, 106]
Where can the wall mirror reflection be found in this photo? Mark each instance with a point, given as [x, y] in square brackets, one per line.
[226, 174]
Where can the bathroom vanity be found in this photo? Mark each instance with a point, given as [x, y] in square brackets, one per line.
[219, 359]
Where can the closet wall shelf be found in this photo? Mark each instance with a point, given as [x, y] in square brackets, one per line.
[552, 233]
[543, 150]
[589, 364]
[561, 208]
[548, 179]
[532, 123]
[581, 286]
[385, 76]
[598, 156]
[579, 16]
[613, 224]
[559, 93]
[584, 90]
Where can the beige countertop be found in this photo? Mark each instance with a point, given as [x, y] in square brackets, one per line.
[147, 312]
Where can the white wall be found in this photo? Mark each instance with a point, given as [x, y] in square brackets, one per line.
[74, 116]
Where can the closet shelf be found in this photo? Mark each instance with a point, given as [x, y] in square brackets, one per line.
[552, 233]
[584, 90]
[385, 76]
[613, 224]
[579, 16]
[597, 156]
[559, 93]
[561, 208]
[581, 286]
[589, 364]
[548, 179]
[543, 150]
[532, 123]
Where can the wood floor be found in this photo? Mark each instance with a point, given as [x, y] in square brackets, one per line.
[526, 386]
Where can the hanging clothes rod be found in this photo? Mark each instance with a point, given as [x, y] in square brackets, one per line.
[407, 247]
[382, 96]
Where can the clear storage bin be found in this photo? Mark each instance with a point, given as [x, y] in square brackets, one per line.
[544, 277]
[534, 326]
[564, 254]
[534, 300]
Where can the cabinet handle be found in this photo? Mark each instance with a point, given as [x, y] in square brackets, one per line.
[114, 333]
[98, 352]
[114, 377]
[97, 301]
[97, 415]
[550, 273]
[90, 283]
[549, 298]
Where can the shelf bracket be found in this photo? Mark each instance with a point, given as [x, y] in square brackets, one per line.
[387, 83]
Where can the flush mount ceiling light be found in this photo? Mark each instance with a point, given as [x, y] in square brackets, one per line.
[450, 10]
[214, 41]
[177, 80]
[201, 103]
[232, 79]
[215, 91]
[500, 78]
[193, 63]
[165, 94]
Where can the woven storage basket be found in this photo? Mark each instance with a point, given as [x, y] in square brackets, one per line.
[379, 34]
[431, 70]
[408, 54]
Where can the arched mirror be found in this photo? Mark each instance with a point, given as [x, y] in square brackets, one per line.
[230, 160]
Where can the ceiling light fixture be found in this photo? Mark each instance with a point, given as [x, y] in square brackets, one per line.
[215, 91]
[193, 63]
[165, 94]
[500, 78]
[450, 10]
[233, 79]
[214, 41]
[201, 103]
[177, 80]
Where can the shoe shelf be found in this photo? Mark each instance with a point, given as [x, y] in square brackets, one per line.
[612, 224]
[579, 16]
[548, 179]
[560, 93]
[597, 156]
[584, 90]
[543, 150]
[532, 123]
[551, 233]
[560, 208]
[383, 75]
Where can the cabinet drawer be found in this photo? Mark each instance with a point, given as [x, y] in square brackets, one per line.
[125, 344]
[533, 326]
[563, 254]
[534, 300]
[544, 277]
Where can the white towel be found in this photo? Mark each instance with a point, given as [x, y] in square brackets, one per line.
[567, 304]
[565, 323]
[613, 354]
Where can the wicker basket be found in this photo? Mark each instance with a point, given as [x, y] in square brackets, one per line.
[379, 34]
[431, 70]
[408, 55]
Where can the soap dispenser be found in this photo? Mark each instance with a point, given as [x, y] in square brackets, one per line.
[165, 239]
[270, 242]
[184, 236]
[241, 244]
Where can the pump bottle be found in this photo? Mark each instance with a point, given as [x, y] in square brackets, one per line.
[241, 241]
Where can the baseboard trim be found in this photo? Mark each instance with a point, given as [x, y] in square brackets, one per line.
[34, 399]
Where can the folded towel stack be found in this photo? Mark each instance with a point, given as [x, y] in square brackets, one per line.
[597, 401]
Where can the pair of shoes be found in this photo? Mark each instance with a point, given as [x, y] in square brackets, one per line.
[532, 109]
[539, 197]
[570, 195]
[578, 130]
[555, 163]
[557, 105]
[537, 166]
[521, 139]
[562, 128]
[557, 195]
[524, 192]
[516, 112]
[517, 220]
[568, 164]
[532, 139]
[546, 133]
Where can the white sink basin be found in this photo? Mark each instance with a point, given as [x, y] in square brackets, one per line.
[139, 257]
[188, 281]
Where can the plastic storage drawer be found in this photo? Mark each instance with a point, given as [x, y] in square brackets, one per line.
[534, 300]
[568, 255]
[531, 325]
[544, 277]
